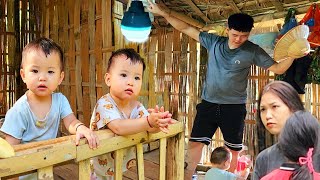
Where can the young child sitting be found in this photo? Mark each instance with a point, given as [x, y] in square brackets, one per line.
[220, 160]
[299, 143]
[120, 111]
[37, 114]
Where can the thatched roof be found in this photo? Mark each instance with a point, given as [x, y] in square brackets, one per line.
[206, 13]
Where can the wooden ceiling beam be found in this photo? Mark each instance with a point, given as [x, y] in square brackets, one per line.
[213, 8]
[197, 10]
[187, 19]
[234, 6]
[278, 5]
[258, 18]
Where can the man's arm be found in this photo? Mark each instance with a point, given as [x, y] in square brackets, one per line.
[282, 66]
[176, 23]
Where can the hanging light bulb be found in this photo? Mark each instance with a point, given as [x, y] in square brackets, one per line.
[136, 24]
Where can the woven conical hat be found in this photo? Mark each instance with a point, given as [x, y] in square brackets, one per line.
[293, 44]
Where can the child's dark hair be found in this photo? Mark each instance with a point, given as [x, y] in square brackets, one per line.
[240, 22]
[297, 139]
[130, 53]
[45, 45]
[220, 155]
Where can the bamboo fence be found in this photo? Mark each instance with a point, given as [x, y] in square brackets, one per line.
[89, 31]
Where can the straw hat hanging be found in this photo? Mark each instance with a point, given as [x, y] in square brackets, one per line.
[293, 44]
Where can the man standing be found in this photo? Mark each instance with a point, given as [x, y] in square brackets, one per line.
[224, 91]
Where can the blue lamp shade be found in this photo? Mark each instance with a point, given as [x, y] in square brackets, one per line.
[136, 24]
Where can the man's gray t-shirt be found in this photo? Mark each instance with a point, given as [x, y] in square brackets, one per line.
[228, 69]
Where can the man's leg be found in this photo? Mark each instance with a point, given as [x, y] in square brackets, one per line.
[232, 126]
[192, 158]
[234, 161]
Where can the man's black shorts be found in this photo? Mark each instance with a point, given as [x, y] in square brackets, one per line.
[230, 119]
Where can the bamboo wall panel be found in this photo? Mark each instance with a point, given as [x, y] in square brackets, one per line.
[19, 23]
[89, 31]
[84, 30]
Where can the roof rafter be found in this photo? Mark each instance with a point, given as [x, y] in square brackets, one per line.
[197, 11]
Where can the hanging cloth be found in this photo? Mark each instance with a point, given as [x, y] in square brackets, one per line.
[312, 17]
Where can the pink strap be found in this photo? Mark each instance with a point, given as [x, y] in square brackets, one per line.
[307, 160]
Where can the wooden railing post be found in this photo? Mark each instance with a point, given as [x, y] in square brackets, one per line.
[43, 155]
[140, 161]
[84, 169]
[179, 154]
[46, 173]
[118, 164]
[163, 152]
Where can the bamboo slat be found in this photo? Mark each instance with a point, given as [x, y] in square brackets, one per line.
[106, 35]
[71, 57]
[78, 64]
[151, 68]
[118, 12]
[92, 59]
[84, 64]
[99, 72]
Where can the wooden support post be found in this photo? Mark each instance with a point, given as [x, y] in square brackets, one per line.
[118, 164]
[163, 151]
[140, 161]
[179, 154]
[84, 169]
[45, 173]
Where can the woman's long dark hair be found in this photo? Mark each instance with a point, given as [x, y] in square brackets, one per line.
[298, 136]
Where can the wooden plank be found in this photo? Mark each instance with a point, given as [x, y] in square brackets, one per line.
[108, 143]
[84, 169]
[37, 157]
[151, 170]
[140, 161]
[118, 164]
[163, 151]
[69, 170]
[45, 173]
[173, 130]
